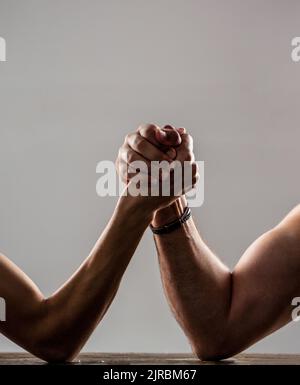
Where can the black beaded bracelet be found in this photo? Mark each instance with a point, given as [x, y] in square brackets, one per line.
[169, 227]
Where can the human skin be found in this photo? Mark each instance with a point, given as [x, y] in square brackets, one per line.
[55, 328]
[223, 312]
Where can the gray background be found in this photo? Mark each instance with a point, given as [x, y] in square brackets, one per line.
[81, 74]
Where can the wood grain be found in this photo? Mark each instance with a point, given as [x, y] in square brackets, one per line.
[156, 359]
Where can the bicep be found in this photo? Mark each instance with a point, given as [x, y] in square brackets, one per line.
[265, 281]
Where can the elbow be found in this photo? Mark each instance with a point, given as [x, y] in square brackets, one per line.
[213, 350]
[54, 348]
[53, 342]
[212, 354]
[49, 338]
[56, 354]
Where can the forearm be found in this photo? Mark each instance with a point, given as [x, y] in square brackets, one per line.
[224, 313]
[197, 284]
[57, 327]
[81, 303]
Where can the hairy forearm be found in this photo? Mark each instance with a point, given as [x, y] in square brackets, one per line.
[193, 280]
[222, 313]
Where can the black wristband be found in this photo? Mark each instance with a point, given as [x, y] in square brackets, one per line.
[169, 227]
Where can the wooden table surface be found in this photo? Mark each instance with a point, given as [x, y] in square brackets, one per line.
[157, 359]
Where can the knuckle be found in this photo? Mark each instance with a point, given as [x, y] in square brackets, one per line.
[118, 155]
[128, 138]
[121, 154]
[121, 151]
[141, 127]
[188, 140]
[184, 137]
[130, 157]
[188, 157]
[146, 130]
[135, 141]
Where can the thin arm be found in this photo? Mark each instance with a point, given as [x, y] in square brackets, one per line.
[56, 328]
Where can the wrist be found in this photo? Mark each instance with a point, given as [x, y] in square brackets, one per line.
[135, 207]
[170, 213]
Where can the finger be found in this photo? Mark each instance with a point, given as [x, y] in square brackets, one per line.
[148, 131]
[123, 172]
[127, 156]
[187, 141]
[185, 150]
[161, 138]
[168, 136]
[181, 130]
[195, 180]
[146, 149]
[126, 173]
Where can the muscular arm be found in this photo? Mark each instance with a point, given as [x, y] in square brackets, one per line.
[221, 312]
[224, 312]
[56, 328]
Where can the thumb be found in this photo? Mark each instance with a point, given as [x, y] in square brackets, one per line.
[168, 136]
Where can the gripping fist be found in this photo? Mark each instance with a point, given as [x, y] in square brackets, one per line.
[152, 145]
